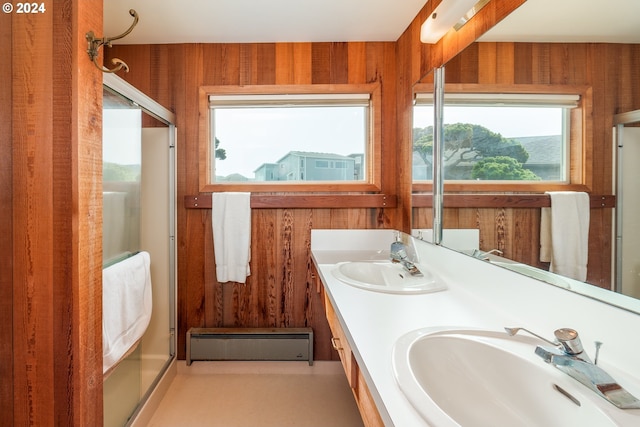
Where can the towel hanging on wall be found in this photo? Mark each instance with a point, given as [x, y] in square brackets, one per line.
[564, 234]
[231, 224]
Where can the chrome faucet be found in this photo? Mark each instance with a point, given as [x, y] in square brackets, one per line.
[398, 253]
[568, 355]
[477, 253]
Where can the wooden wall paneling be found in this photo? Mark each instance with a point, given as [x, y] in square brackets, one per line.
[192, 225]
[314, 312]
[138, 58]
[301, 61]
[320, 63]
[525, 246]
[599, 268]
[266, 64]
[540, 64]
[505, 65]
[450, 218]
[285, 66]
[6, 224]
[221, 64]
[486, 221]
[522, 72]
[55, 102]
[504, 236]
[357, 62]
[248, 69]
[302, 287]
[406, 70]
[287, 250]
[213, 293]
[63, 248]
[32, 221]
[339, 60]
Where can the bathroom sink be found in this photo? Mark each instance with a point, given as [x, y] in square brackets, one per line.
[387, 277]
[455, 377]
[535, 273]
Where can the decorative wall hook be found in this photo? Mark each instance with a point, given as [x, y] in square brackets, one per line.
[95, 44]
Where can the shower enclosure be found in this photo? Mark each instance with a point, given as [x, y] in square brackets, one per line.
[627, 220]
[139, 215]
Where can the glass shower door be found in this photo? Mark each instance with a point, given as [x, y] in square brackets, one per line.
[139, 215]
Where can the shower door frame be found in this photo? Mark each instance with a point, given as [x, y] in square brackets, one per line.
[620, 121]
[154, 109]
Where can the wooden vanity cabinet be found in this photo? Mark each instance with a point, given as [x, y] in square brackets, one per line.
[366, 405]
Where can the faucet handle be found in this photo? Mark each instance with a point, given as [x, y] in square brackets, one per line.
[513, 331]
[569, 340]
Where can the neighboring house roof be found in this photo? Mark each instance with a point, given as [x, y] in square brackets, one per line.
[234, 177]
[542, 149]
[264, 165]
[315, 155]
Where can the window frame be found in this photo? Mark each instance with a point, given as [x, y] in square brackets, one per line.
[373, 145]
[580, 140]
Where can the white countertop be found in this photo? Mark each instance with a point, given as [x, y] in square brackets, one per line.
[478, 296]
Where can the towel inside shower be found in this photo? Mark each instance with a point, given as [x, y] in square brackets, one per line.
[126, 307]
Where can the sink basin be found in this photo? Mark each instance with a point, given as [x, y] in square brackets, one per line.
[387, 277]
[536, 273]
[455, 377]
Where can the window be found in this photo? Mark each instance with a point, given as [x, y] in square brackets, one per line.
[272, 137]
[502, 138]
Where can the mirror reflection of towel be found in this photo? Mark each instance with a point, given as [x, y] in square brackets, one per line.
[231, 223]
[564, 234]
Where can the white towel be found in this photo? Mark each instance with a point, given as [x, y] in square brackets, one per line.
[564, 234]
[126, 307]
[231, 218]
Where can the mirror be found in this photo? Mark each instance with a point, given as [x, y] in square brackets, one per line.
[561, 56]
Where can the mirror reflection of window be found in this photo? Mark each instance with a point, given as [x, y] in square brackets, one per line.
[496, 137]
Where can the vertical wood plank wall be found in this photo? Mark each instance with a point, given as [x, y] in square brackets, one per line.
[51, 112]
[6, 226]
[280, 291]
[613, 73]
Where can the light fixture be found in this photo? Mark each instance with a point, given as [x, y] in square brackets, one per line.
[446, 15]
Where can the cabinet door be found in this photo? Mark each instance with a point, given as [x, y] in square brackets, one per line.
[340, 343]
[366, 405]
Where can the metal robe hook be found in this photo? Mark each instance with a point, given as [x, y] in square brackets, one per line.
[95, 44]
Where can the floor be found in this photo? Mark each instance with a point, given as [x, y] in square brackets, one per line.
[258, 394]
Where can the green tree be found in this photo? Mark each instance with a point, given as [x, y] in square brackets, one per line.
[221, 153]
[423, 143]
[502, 168]
[468, 143]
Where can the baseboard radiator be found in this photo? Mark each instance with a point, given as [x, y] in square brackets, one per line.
[250, 344]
